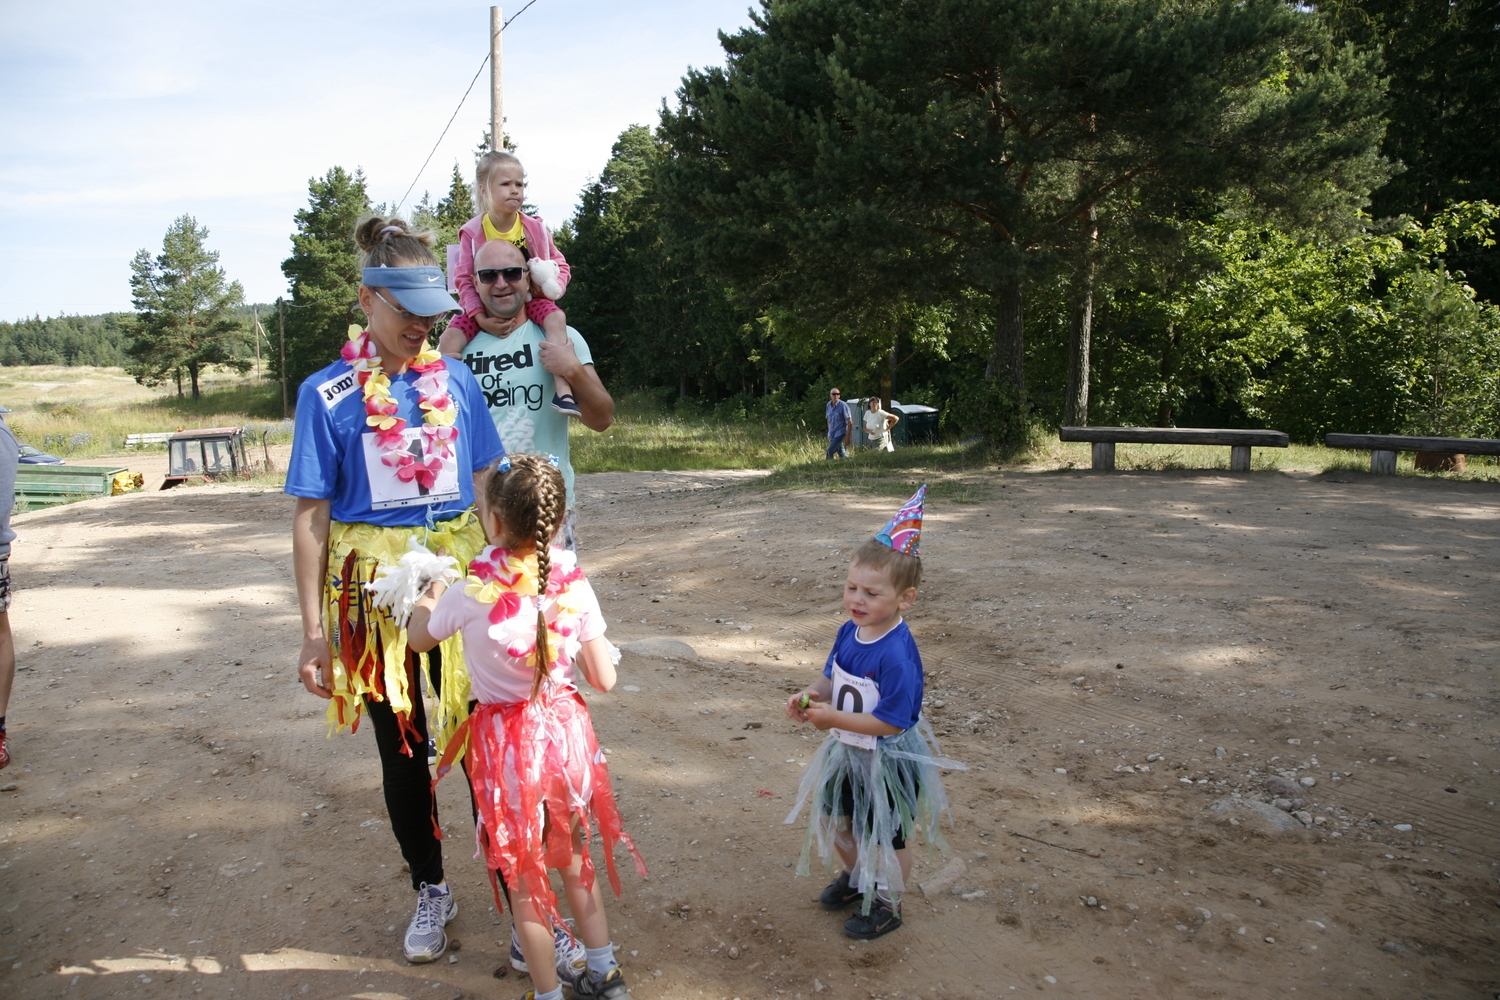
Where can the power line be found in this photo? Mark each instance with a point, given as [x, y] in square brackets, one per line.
[494, 139]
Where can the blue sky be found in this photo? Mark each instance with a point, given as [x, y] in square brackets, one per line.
[115, 118]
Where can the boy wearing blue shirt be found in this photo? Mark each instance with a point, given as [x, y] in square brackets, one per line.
[876, 777]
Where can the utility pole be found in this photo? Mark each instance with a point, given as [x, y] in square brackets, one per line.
[281, 333]
[255, 313]
[497, 102]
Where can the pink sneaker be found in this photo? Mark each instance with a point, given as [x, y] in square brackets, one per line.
[4, 750]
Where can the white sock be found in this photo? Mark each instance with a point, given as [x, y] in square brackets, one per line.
[553, 994]
[601, 960]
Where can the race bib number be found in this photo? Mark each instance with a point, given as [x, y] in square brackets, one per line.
[859, 695]
[388, 490]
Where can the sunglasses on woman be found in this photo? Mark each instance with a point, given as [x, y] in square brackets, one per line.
[488, 275]
[406, 315]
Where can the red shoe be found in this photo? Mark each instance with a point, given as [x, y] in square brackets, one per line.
[4, 751]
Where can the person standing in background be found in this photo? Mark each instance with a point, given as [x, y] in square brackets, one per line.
[10, 456]
[840, 425]
[878, 424]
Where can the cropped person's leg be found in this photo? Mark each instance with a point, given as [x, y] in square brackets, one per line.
[7, 658]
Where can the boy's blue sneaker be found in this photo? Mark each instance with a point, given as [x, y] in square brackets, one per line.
[840, 894]
[883, 918]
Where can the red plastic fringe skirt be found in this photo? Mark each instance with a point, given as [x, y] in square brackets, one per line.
[536, 768]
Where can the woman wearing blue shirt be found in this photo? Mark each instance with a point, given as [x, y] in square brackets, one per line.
[392, 445]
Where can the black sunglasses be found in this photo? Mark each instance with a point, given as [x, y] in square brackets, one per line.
[488, 275]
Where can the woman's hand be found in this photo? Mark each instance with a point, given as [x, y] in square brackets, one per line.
[315, 666]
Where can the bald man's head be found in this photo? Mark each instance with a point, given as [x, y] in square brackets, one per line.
[502, 298]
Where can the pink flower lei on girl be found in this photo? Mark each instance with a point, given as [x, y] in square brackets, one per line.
[509, 582]
[438, 414]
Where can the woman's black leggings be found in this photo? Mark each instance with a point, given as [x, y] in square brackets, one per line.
[407, 778]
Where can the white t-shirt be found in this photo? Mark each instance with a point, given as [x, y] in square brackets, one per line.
[495, 676]
[875, 422]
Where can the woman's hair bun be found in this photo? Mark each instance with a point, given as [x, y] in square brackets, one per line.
[393, 243]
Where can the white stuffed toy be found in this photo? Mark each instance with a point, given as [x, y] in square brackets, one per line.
[545, 273]
[397, 588]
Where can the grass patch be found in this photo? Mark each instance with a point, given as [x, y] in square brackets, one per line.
[1046, 454]
[83, 412]
[645, 438]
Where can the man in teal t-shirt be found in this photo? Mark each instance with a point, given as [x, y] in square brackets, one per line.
[516, 369]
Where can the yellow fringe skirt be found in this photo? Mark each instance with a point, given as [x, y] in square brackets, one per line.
[369, 649]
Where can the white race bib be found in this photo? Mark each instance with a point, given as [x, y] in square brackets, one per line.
[859, 695]
[387, 491]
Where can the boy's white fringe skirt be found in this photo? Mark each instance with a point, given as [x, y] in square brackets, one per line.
[895, 787]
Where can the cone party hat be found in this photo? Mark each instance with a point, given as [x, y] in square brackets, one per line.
[904, 531]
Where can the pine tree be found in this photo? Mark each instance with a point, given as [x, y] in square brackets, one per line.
[855, 150]
[324, 273]
[183, 323]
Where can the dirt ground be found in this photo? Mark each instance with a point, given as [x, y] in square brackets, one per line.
[1112, 655]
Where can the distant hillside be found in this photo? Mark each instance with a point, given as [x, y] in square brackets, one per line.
[76, 340]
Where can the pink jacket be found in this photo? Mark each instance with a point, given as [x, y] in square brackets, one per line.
[471, 237]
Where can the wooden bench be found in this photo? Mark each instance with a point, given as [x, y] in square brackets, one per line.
[1240, 442]
[39, 486]
[141, 440]
[1383, 448]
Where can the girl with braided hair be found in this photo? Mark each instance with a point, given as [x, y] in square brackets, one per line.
[530, 623]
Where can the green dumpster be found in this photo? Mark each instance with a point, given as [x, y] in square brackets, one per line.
[39, 486]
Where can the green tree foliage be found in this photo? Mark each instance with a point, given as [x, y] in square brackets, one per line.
[1253, 326]
[1443, 61]
[652, 318]
[856, 151]
[66, 340]
[449, 214]
[184, 317]
[324, 273]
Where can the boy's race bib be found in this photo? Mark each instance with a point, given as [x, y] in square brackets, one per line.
[389, 490]
[854, 694]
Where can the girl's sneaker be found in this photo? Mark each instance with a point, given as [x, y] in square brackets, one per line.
[4, 750]
[883, 918]
[572, 957]
[610, 986]
[566, 404]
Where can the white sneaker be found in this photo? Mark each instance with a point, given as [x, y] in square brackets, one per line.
[425, 937]
[572, 957]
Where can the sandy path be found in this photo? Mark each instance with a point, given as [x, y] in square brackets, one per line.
[179, 823]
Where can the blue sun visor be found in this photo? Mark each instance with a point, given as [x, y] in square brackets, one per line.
[420, 290]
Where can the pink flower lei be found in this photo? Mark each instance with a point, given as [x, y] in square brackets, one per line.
[508, 581]
[438, 413]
